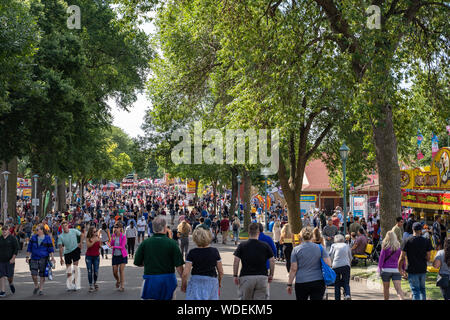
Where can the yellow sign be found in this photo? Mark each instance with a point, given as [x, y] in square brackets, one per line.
[190, 186]
[438, 177]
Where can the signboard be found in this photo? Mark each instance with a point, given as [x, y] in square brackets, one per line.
[306, 202]
[426, 200]
[35, 202]
[190, 186]
[359, 205]
[437, 178]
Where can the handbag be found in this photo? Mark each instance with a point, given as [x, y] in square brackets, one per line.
[442, 280]
[329, 276]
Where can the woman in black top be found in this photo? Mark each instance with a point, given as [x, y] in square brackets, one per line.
[206, 266]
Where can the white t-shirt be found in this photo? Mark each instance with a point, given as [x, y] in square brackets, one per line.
[141, 224]
[131, 232]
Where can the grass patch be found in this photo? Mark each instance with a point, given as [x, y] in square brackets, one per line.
[433, 292]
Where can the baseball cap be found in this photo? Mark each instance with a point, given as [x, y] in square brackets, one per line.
[417, 226]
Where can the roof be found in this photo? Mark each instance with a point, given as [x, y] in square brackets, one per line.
[316, 177]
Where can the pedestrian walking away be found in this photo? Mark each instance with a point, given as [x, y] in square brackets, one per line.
[442, 262]
[253, 278]
[417, 250]
[341, 257]
[388, 264]
[306, 268]
[160, 256]
[183, 230]
[287, 240]
[207, 271]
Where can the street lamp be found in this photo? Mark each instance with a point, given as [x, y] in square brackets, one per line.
[5, 205]
[344, 150]
[34, 202]
[266, 215]
[239, 196]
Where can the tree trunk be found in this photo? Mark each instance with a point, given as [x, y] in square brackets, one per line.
[388, 170]
[61, 200]
[247, 198]
[292, 189]
[234, 190]
[196, 190]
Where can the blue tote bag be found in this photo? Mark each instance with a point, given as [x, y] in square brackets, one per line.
[329, 276]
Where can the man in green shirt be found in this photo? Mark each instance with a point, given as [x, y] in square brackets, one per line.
[398, 229]
[160, 256]
[355, 226]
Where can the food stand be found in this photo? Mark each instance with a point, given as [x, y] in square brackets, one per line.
[427, 190]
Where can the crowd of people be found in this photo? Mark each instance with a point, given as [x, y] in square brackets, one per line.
[116, 222]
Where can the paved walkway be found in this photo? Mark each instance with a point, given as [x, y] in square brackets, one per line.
[56, 289]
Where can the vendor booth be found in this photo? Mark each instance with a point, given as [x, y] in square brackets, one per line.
[427, 190]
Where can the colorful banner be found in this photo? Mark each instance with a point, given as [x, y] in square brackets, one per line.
[434, 145]
[437, 178]
[419, 138]
[190, 186]
[426, 200]
[420, 155]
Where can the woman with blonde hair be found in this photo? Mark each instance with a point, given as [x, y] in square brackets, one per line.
[287, 240]
[276, 239]
[388, 265]
[306, 268]
[184, 229]
[207, 271]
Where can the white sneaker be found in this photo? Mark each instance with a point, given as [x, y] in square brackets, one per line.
[347, 298]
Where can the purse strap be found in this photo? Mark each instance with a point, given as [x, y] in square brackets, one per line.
[386, 259]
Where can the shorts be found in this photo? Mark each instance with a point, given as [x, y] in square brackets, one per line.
[6, 269]
[116, 260]
[37, 267]
[73, 256]
[386, 276]
[141, 233]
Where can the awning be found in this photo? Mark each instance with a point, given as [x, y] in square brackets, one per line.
[426, 199]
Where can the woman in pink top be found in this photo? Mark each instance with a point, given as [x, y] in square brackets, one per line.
[120, 255]
[388, 265]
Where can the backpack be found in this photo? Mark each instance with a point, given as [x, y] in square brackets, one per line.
[235, 227]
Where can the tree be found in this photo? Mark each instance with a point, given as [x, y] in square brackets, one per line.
[411, 33]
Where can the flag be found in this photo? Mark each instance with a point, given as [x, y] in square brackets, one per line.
[434, 145]
[419, 138]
